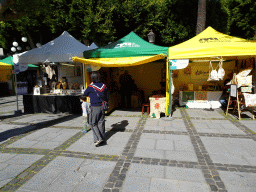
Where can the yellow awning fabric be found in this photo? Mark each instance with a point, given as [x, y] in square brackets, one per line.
[119, 61]
[211, 43]
[5, 66]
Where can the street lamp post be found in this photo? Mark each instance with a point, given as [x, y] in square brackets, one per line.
[16, 70]
[151, 37]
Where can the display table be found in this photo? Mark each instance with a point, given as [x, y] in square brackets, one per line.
[4, 87]
[200, 99]
[157, 106]
[52, 104]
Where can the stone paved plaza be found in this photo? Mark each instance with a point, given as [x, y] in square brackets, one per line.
[196, 150]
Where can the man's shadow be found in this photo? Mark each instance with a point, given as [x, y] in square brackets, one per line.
[117, 127]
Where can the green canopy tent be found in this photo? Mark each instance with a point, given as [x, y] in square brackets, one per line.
[9, 60]
[129, 46]
[130, 50]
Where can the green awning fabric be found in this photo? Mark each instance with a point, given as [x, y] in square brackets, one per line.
[9, 60]
[129, 46]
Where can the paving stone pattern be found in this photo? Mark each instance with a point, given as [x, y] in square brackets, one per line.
[196, 150]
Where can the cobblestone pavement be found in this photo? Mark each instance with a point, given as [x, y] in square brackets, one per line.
[196, 150]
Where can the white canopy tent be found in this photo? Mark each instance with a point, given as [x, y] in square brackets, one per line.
[61, 49]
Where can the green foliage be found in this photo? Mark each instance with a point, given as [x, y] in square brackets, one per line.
[216, 17]
[241, 18]
[103, 21]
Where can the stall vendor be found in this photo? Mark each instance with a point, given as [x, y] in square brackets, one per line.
[225, 94]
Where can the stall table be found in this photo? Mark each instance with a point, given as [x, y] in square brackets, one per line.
[200, 99]
[52, 104]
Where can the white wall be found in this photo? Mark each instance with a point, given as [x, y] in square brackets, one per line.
[70, 72]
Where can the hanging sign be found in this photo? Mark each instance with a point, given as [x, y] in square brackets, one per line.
[178, 64]
[23, 67]
[16, 68]
[233, 90]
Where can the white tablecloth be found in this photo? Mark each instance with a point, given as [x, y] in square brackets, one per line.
[210, 99]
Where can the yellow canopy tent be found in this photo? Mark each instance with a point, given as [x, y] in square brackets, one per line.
[210, 44]
[120, 61]
[5, 70]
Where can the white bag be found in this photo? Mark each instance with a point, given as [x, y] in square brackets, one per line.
[221, 72]
[213, 75]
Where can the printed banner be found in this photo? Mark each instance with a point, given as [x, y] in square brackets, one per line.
[178, 64]
[200, 72]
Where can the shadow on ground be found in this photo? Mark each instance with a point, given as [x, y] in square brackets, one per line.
[117, 127]
[28, 128]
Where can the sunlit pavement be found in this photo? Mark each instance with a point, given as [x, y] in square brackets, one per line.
[195, 150]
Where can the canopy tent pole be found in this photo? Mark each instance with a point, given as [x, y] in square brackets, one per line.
[170, 89]
[17, 112]
[167, 89]
[168, 108]
[83, 75]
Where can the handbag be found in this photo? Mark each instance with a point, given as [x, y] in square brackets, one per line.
[105, 105]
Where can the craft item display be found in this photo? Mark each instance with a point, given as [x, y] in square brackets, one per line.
[188, 95]
[250, 99]
[76, 86]
[245, 72]
[53, 85]
[200, 95]
[200, 99]
[242, 78]
[157, 106]
[175, 73]
[187, 70]
[244, 81]
[190, 87]
[36, 91]
[215, 75]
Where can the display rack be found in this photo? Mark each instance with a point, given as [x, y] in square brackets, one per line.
[236, 96]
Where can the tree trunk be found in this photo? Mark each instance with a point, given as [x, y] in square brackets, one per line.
[30, 40]
[201, 16]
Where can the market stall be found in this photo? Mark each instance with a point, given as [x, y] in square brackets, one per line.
[5, 71]
[58, 90]
[25, 79]
[145, 62]
[210, 53]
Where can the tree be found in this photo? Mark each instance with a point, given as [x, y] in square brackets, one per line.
[201, 16]
[166, 18]
[241, 18]
[216, 16]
